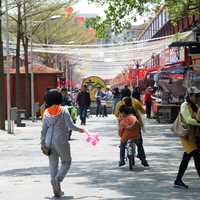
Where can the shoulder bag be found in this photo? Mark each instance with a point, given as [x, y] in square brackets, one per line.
[180, 127]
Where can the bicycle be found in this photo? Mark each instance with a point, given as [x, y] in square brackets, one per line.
[130, 153]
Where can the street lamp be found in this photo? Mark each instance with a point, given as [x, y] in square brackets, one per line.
[8, 73]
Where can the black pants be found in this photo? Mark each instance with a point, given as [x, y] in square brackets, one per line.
[104, 114]
[140, 148]
[184, 163]
[148, 109]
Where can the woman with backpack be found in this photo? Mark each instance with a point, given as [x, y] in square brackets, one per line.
[54, 138]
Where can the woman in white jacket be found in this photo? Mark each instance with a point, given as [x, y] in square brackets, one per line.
[54, 135]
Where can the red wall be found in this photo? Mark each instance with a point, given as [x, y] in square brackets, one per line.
[41, 82]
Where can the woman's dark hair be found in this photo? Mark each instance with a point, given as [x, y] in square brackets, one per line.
[193, 105]
[116, 90]
[116, 93]
[125, 92]
[53, 97]
[128, 102]
[64, 90]
[125, 109]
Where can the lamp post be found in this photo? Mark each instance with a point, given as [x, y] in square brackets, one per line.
[32, 75]
[8, 73]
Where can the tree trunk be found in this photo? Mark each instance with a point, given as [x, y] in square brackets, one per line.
[17, 76]
[27, 79]
[25, 41]
[2, 106]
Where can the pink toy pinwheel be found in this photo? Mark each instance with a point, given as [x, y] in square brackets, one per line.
[92, 139]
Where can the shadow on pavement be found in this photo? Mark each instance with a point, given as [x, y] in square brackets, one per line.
[26, 172]
[140, 184]
[60, 198]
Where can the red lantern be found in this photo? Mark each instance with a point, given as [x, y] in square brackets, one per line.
[69, 10]
[80, 19]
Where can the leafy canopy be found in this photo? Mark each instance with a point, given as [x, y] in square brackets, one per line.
[121, 13]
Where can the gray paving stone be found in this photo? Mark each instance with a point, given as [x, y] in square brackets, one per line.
[94, 174]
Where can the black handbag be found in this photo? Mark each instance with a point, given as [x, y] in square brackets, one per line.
[46, 150]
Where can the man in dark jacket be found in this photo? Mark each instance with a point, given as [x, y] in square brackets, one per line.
[83, 101]
[65, 98]
[136, 93]
[126, 92]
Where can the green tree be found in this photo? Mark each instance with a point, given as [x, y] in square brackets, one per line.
[120, 13]
[102, 27]
[20, 27]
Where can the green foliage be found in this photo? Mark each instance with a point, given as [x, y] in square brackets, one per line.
[61, 30]
[179, 8]
[121, 13]
[177, 37]
[101, 27]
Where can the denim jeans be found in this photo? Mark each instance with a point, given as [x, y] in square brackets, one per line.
[83, 113]
[122, 150]
[98, 109]
[140, 148]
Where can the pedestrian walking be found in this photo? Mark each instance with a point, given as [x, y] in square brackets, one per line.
[83, 101]
[148, 101]
[54, 138]
[188, 112]
[136, 93]
[116, 98]
[99, 96]
[106, 98]
[126, 91]
[66, 101]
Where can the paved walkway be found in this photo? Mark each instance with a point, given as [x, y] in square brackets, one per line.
[94, 174]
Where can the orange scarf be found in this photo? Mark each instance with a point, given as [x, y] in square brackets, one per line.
[54, 110]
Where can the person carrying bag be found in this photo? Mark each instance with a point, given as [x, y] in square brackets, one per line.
[54, 139]
[180, 127]
[188, 124]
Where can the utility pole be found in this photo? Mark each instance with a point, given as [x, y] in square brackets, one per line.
[2, 115]
[8, 73]
[17, 75]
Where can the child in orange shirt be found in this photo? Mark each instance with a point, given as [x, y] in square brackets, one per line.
[129, 128]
